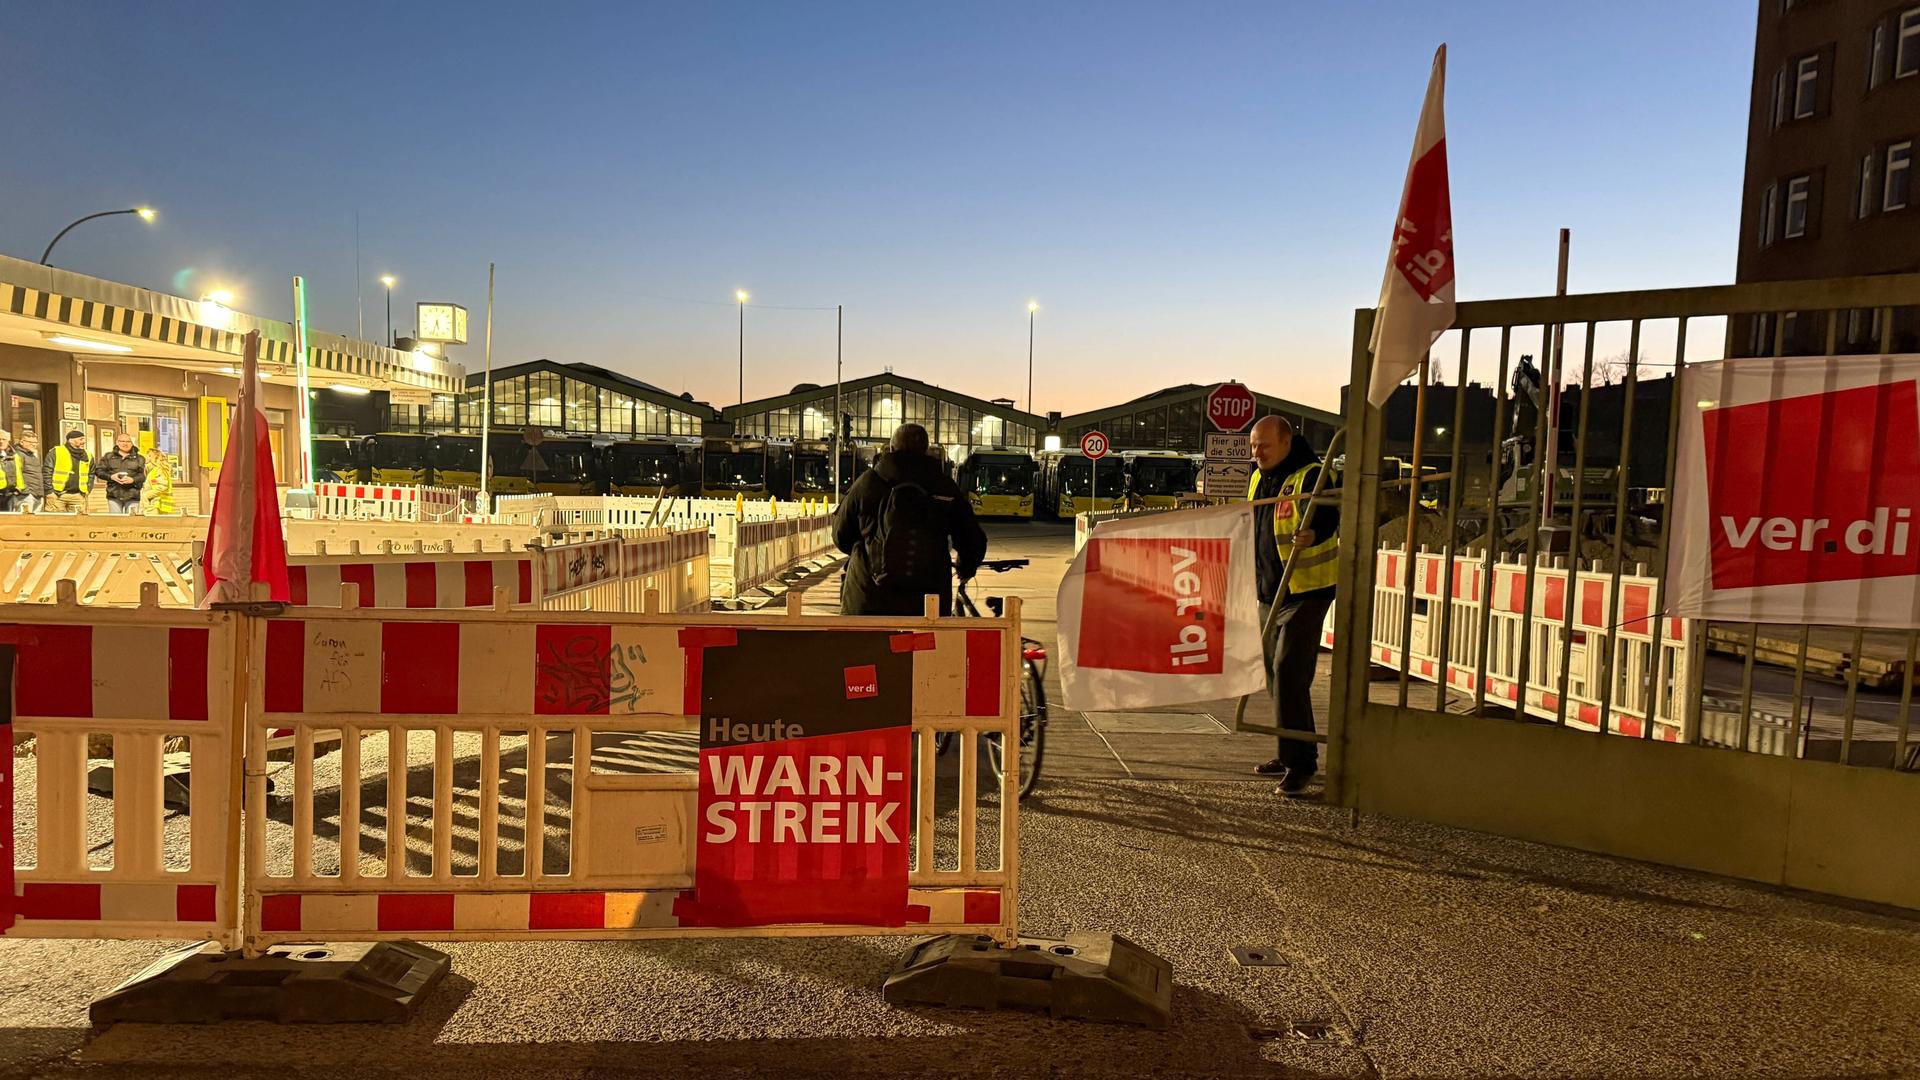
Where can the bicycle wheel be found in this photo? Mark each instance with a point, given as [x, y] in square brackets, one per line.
[1033, 732]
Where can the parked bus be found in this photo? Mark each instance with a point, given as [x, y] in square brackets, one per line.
[336, 459]
[645, 466]
[1067, 478]
[813, 468]
[1156, 478]
[999, 482]
[724, 468]
[394, 457]
[456, 460]
[556, 466]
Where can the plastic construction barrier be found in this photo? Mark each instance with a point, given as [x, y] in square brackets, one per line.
[758, 552]
[683, 776]
[1499, 603]
[155, 688]
[655, 570]
[390, 502]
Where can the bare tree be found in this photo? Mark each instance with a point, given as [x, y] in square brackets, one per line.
[1610, 369]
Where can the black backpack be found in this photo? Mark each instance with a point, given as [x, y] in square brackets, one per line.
[908, 549]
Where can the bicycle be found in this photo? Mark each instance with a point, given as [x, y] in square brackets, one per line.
[1033, 691]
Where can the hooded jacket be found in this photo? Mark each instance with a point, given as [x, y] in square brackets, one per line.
[858, 519]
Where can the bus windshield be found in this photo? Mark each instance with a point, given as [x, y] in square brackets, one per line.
[1162, 476]
[332, 455]
[735, 469]
[398, 451]
[1001, 474]
[453, 454]
[639, 465]
[557, 462]
[1076, 473]
[812, 472]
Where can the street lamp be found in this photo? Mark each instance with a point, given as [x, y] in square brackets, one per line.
[1032, 306]
[740, 295]
[387, 280]
[145, 212]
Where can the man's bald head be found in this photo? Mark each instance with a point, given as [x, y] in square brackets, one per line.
[1271, 441]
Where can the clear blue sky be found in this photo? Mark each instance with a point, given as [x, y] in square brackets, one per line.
[1191, 191]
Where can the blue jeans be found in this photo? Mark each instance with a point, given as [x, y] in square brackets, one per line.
[123, 506]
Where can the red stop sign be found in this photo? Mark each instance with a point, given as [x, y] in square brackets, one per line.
[1230, 407]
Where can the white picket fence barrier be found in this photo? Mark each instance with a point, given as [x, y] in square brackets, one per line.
[385, 502]
[1648, 684]
[752, 554]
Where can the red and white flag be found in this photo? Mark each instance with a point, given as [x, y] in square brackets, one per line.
[1161, 610]
[244, 543]
[1416, 299]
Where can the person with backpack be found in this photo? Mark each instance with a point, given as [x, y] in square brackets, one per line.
[897, 524]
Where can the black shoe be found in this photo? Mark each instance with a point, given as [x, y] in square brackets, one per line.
[1271, 768]
[1294, 784]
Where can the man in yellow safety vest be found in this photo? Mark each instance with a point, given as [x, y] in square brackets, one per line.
[13, 476]
[69, 475]
[1287, 466]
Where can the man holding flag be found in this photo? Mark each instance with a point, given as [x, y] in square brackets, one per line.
[1285, 472]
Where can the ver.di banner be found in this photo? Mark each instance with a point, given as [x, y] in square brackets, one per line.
[806, 751]
[1160, 610]
[1797, 491]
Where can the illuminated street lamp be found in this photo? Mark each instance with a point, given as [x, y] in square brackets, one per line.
[145, 213]
[741, 296]
[387, 280]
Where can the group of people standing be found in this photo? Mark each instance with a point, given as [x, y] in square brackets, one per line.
[61, 482]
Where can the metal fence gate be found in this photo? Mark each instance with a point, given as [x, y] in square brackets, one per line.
[1540, 692]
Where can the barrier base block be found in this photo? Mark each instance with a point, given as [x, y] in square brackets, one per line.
[1086, 976]
[358, 982]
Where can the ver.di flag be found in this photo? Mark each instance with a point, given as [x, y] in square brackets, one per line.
[244, 542]
[1161, 610]
[1416, 299]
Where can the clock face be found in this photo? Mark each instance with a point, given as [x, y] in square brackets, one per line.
[442, 322]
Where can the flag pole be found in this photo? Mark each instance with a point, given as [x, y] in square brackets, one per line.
[486, 404]
[1552, 404]
[303, 469]
[836, 430]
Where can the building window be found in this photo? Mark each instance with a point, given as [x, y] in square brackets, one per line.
[1777, 108]
[1806, 87]
[583, 406]
[1899, 176]
[1796, 223]
[543, 400]
[1768, 196]
[1876, 54]
[1863, 189]
[1906, 50]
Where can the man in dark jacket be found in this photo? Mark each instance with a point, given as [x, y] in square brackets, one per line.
[124, 470]
[856, 526]
[1284, 465]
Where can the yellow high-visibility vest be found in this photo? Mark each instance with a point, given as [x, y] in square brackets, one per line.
[1316, 567]
[62, 462]
[17, 481]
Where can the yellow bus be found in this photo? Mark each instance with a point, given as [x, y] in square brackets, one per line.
[1156, 478]
[456, 460]
[642, 467]
[724, 468]
[336, 459]
[1067, 478]
[1000, 482]
[396, 457]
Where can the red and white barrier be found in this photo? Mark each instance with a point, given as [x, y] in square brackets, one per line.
[519, 701]
[377, 502]
[141, 676]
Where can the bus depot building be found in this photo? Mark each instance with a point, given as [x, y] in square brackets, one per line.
[1176, 419]
[80, 353]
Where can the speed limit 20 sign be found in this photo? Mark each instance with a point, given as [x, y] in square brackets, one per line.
[1094, 445]
[1230, 406]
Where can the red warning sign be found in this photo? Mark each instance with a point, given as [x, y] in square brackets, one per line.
[805, 776]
